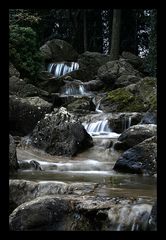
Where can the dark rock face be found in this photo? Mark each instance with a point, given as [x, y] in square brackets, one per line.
[49, 83]
[142, 158]
[153, 218]
[90, 62]
[24, 113]
[134, 135]
[58, 50]
[13, 164]
[59, 134]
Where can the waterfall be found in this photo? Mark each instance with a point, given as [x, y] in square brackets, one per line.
[60, 69]
[126, 122]
[75, 87]
[98, 106]
[130, 217]
[99, 128]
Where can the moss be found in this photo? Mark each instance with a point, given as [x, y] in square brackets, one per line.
[123, 100]
[143, 98]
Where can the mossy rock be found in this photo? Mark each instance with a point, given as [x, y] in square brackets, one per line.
[122, 100]
[140, 98]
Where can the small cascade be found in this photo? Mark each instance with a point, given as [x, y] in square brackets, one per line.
[60, 69]
[75, 87]
[126, 122]
[100, 128]
[98, 106]
[130, 217]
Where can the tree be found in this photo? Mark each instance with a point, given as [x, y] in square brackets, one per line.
[128, 32]
[85, 31]
[115, 39]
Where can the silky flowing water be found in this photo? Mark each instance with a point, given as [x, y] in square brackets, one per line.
[94, 166]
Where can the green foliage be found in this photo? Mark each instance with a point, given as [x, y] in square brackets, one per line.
[23, 50]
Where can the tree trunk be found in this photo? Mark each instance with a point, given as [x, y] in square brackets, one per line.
[85, 30]
[115, 39]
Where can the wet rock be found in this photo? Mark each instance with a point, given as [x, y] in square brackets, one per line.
[21, 191]
[71, 213]
[134, 135]
[13, 164]
[141, 159]
[57, 50]
[24, 113]
[59, 134]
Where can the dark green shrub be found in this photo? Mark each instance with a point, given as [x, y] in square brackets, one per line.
[23, 51]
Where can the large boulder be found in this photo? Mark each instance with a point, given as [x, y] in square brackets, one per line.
[138, 97]
[13, 164]
[24, 113]
[122, 100]
[141, 159]
[134, 60]
[134, 135]
[43, 213]
[73, 213]
[57, 50]
[89, 63]
[112, 70]
[60, 134]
